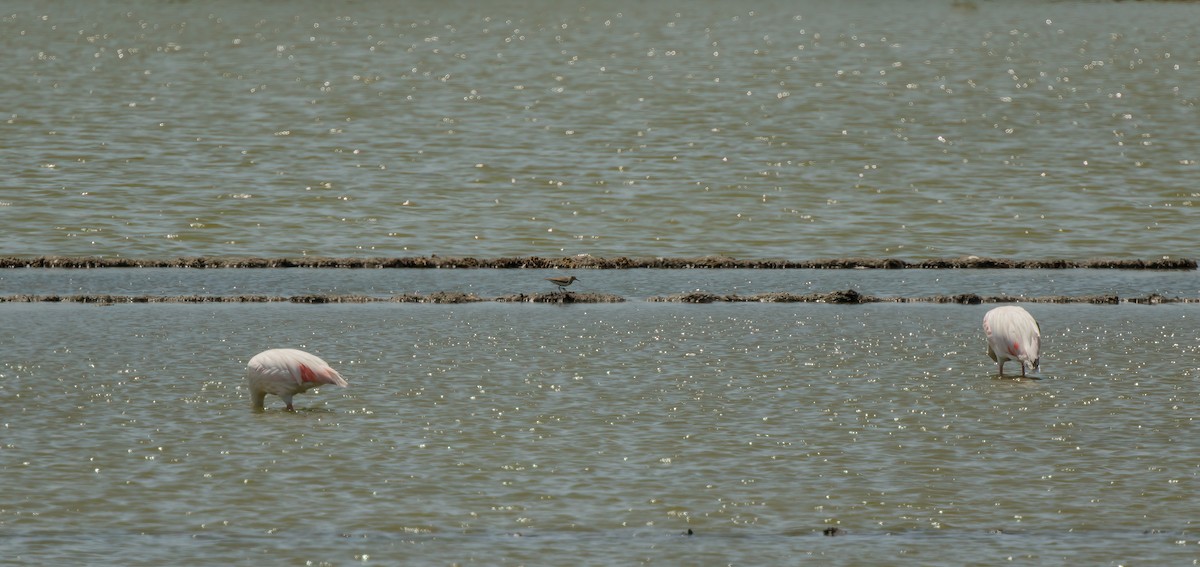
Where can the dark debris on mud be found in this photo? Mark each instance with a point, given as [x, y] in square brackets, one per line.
[848, 296]
[853, 297]
[561, 297]
[586, 261]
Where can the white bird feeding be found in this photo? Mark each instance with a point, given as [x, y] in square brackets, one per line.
[1012, 334]
[286, 372]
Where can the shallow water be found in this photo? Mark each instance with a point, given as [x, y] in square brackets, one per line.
[1017, 129]
[495, 433]
[598, 434]
[633, 285]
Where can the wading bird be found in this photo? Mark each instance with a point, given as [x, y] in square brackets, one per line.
[1012, 334]
[562, 282]
[286, 372]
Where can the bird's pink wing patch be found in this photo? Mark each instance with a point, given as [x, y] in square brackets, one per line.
[307, 375]
[323, 375]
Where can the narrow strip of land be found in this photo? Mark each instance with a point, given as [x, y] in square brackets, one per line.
[849, 296]
[592, 262]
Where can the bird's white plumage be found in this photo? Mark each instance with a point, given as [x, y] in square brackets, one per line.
[286, 372]
[1013, 334]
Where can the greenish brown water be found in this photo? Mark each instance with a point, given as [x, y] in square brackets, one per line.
[598, 435]
[496, 433]
[793, 130]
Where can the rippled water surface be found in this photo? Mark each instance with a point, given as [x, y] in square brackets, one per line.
[631, 285]
[796, 130]
[599, 434]
[495, 433]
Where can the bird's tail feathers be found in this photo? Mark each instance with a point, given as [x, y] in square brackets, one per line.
[325, 375]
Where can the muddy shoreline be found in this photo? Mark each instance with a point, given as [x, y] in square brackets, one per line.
[592, 262]
[849, 296]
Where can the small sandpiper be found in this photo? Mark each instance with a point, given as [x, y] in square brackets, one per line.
[562, 282]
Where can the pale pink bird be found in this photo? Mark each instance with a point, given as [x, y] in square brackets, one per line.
[286, 372]
[1012, 334]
